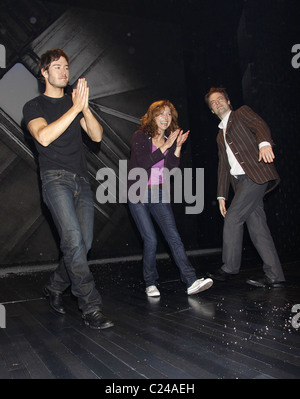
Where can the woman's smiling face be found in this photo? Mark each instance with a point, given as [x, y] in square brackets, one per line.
[164, 119]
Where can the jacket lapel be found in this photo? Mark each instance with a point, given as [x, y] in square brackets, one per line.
[229, 123]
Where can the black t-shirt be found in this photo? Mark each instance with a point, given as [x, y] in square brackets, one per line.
[66, 152]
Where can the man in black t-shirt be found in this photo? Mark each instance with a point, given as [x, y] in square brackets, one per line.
[55, 121]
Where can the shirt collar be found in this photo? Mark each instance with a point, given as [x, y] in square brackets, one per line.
[223, 123]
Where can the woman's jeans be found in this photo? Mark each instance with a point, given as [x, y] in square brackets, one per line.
[163, 215]
[69, 199]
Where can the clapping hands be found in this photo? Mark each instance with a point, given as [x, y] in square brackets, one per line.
[177, 136]
[80, 95]
[182, 137]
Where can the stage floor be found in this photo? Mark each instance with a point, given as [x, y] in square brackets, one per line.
[231, 331]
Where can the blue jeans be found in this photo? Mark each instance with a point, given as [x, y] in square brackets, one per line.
[163, 215]
[69, 199]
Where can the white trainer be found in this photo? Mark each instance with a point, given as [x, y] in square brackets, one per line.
[152, 291]
[199, 285]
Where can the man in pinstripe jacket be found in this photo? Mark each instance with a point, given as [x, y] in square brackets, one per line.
[246, 161]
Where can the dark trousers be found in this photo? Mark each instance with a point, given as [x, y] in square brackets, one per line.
[247, 207]
[69, 199]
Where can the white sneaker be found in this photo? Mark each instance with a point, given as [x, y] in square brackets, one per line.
[199, 285]
[152, 291]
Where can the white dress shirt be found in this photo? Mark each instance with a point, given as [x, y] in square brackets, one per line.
[235, 167]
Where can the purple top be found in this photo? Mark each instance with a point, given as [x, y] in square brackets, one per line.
[142, 155]
[156, 176]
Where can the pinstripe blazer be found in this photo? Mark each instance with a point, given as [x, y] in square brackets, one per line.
[245, 130]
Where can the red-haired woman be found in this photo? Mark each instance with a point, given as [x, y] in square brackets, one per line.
[156, 147]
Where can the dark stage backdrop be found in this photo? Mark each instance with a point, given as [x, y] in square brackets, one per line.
[129, 62]
[133, 53]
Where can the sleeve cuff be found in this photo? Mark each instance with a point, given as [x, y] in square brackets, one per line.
[263, 144]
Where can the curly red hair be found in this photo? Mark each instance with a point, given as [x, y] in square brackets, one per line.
[149, 125]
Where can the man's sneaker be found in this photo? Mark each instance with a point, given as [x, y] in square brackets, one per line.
[97, 320]
[199, 285]
[152, 291]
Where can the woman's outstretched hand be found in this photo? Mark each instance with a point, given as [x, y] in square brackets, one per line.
[182, 137]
